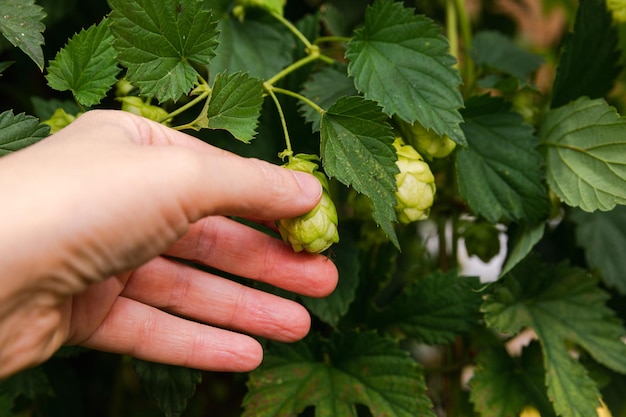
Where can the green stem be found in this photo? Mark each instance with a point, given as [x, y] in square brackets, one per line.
[299, 97]
[270, 90]
[324, 39]
[293, 29]
[452, 28]
[313, 55]
[466, 35]
[187, 106]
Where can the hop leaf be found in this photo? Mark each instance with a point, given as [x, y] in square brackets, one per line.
[361, 368]
[585, 147]
[397, 44]
[19, 131]
[86, 65]
[357, 149]
[158, 41]
[566, 309]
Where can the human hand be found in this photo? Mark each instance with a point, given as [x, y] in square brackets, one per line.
[92, 219]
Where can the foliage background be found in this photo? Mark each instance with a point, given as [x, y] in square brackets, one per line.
[552, 292]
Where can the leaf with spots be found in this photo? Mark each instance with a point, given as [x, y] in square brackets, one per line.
[357, 148]
[334, 376]
[20, 24]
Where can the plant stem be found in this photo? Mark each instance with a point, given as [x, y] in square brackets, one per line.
[299, 97]
[323, 39]
[270, 90]
[293, 29]
[466, 35]
[189, 105]
[313, 55]
[452, 29]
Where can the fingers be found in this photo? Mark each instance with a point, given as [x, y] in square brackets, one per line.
[185, 291]
[240, 250]
[150, 334]
[208, 180]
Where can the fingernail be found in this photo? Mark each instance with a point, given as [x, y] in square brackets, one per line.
[310, 186]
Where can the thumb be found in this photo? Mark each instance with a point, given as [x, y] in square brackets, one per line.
[214, 181]
[227, 184]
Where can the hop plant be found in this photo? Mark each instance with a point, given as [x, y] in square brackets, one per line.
[59, 120]
[316, 230]
[427, 142]
[416, 184]
[139, 107]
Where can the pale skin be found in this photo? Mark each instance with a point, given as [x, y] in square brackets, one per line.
[91, 219]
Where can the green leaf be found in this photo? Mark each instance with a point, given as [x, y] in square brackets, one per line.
[235, 105]
[346, 257]
[603, 237]
[159, 41]
[324, 88]
[260, 46]
[361, 368]
[500, 172]
[565, 307]
[357, 148]
[524, 237]
[19, 131]
[436, 309]
[20, 24]
[86, 65]
[586, 144]
[577, 75]
[171, 386]
[503, 385]
[499, 52]
[402, 61]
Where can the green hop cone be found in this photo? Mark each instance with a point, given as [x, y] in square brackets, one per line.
[427, 142]
[416, 184]
[316, 230]
[136, 105]
[59, 120]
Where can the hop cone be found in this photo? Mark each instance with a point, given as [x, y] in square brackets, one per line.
[316, 230]
[416, 184]
[427, 142]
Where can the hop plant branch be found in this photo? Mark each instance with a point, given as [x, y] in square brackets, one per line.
[283, 121]
[457, 19]
[292, 28]
[313, 55]
[299, 97]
